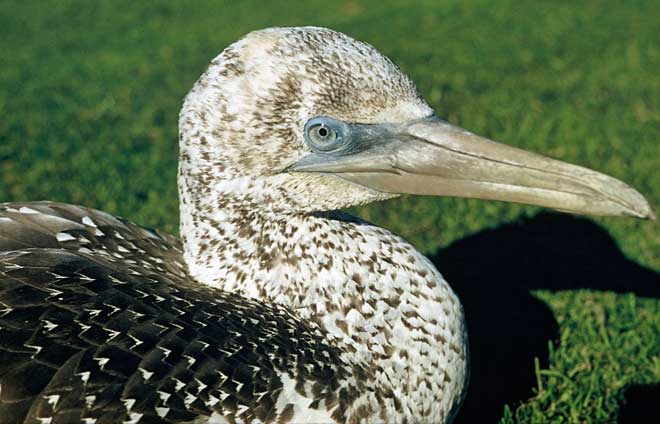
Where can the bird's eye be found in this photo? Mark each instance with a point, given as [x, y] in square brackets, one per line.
[326, 134]
[320, 134]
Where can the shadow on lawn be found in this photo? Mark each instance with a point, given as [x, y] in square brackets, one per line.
[641, 405]
[493, 273]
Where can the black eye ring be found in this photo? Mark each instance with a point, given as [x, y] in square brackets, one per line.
[325, 134]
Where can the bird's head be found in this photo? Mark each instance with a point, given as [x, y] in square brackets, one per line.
[308, 119]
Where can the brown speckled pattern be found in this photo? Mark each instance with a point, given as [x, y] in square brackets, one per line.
[250, 229]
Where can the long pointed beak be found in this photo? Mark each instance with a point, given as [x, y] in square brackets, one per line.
[432, 157]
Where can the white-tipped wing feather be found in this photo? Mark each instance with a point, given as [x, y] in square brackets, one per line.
[99, 322]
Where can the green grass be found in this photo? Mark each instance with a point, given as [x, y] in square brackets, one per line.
[90, 92]
[608, 342]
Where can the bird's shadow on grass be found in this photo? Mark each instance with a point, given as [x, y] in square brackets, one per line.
[641, 405]
[493, 273]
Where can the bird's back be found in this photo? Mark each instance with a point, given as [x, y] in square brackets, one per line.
[100, 322]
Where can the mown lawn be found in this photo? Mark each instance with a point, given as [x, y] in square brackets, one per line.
[564, 312]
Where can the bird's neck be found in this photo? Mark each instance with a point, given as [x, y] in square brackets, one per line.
[371, 291]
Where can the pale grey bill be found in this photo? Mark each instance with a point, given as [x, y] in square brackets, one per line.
[432, 157]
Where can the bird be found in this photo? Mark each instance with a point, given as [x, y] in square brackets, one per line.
[273, 306]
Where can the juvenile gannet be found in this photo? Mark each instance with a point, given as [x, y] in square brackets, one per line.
[273, 306]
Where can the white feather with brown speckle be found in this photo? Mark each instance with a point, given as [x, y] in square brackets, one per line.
[370, 290]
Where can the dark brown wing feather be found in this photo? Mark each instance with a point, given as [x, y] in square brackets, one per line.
[99, 320]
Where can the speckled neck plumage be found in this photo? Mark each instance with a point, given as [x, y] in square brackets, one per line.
[248, 228]
[378, 299]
